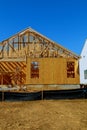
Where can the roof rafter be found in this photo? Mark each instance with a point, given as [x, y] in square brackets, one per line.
[23, 48]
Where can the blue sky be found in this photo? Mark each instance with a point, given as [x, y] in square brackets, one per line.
[63, 21]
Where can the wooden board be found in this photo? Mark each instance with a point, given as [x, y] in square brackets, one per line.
[52, 71]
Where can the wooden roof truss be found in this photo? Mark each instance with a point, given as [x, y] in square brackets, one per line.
[32, 44]
[28, 43]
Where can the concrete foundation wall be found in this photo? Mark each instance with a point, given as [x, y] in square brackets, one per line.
[53, 87]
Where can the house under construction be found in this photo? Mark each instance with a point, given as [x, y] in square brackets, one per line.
[29, 58]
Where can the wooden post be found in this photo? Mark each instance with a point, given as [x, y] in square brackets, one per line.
[2, 79]
[18, 43]
[2, 95]
[42, 94]
[2, 90]
[3, 51]
[28, 43]
[8, 48]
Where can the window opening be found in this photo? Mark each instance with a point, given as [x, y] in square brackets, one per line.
[70, 69]
[85, 74]
[34, 69]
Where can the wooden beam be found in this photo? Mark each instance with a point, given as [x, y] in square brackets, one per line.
[3, 68]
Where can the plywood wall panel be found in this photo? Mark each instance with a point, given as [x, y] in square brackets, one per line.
[52, 71]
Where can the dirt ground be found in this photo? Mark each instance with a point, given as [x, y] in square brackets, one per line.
[44, 115]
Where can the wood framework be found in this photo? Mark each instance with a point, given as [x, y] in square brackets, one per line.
[32, 44]
[12, 73]
[27, 43]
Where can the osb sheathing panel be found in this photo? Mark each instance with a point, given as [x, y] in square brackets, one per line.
[52, 71]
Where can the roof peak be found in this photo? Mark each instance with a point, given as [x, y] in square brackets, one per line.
[84, 49]
[23, 32]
